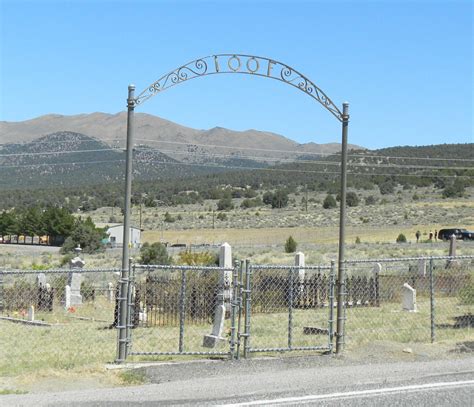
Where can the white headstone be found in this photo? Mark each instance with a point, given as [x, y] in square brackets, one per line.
[111, 292]
[75, 279]
[41, 280]
[377, 268]
[299, 262]
[422, 267]
[31, 314]
[210, 341]
[225, 260]
[408, 298]
[67, 297]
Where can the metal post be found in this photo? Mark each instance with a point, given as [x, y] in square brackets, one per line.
[233, 313]
[239, 299]
[122, 323]
[182, 310]
[290, 309]
[331, 304]
[248, 277]
[432, 302]
[342, 224]
[129, 306]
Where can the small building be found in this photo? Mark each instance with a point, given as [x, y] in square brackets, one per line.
[115, 234]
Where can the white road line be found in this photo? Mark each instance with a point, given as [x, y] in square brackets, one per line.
[360, 393]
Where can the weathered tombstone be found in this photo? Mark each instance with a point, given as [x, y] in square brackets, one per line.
[210, 341]
[67, 297]
[422, 267]
[41, 280]
[300, 263]
[452, 251]
[408, 298]
[223, 298]
[74, 278]
[31, 313]
[110, 292]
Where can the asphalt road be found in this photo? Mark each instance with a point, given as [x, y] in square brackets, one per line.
[289, 381]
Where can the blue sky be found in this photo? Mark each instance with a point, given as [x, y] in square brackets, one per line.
[404, 66]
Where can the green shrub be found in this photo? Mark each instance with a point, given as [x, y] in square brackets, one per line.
[290, 245]
[221, 216]
[358, 240]
[329, 202]
[401, 238]
[154, 253]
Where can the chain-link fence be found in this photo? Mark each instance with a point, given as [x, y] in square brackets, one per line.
[409, 300]
[288, 308]
[67, 318]
[181, 310]
[57, 318]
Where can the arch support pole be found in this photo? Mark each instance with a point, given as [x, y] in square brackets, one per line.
[341, 284]
[122, 344]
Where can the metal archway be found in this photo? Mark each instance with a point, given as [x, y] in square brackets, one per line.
[230, 64]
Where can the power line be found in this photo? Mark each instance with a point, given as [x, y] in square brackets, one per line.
[57, 152]
[295, 152]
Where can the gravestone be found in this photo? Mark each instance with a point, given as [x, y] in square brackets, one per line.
[67, 297]
[31, 313]
[452, 252]
[299, 262]
[110, 292]
[223, 298]
[422, 267]
[408, 298]
[41, 280]
[74, 278]
[210, 341]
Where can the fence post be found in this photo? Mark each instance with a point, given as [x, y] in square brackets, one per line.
[248, 292]
[182, 309]
[290, 308]
[341, 309]
[239, 291]
[131, 269]
[331, 304]
[122, 319]
[432, 302]
[234, 304]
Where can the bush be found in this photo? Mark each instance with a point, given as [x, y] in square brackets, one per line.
[221, 216]
[198, 258]
[401, 238]
[357, 240]
[225, 204]
[169, 218]
[352, 199]
[454, 190]
[370, 200]
[290, 245]
[329, 202]
[154, 253]
[387, 187]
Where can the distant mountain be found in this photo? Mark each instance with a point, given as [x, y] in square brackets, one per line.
[179, 142]
[67, 158]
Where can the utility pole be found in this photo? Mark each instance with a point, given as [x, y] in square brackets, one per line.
[306, 197]
[213, 219]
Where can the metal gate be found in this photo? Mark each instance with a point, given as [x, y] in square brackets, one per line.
[288, 308]
[194, 310]
[175, 310]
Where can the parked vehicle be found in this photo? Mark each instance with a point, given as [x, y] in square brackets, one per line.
[461, 234]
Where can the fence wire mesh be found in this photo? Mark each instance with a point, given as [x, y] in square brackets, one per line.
[175, 310]
[409, 300]
[57, 318]
[289, 308]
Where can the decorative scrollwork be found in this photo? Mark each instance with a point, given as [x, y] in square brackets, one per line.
[242, 64]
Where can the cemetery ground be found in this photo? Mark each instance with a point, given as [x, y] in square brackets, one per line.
[75, 351]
